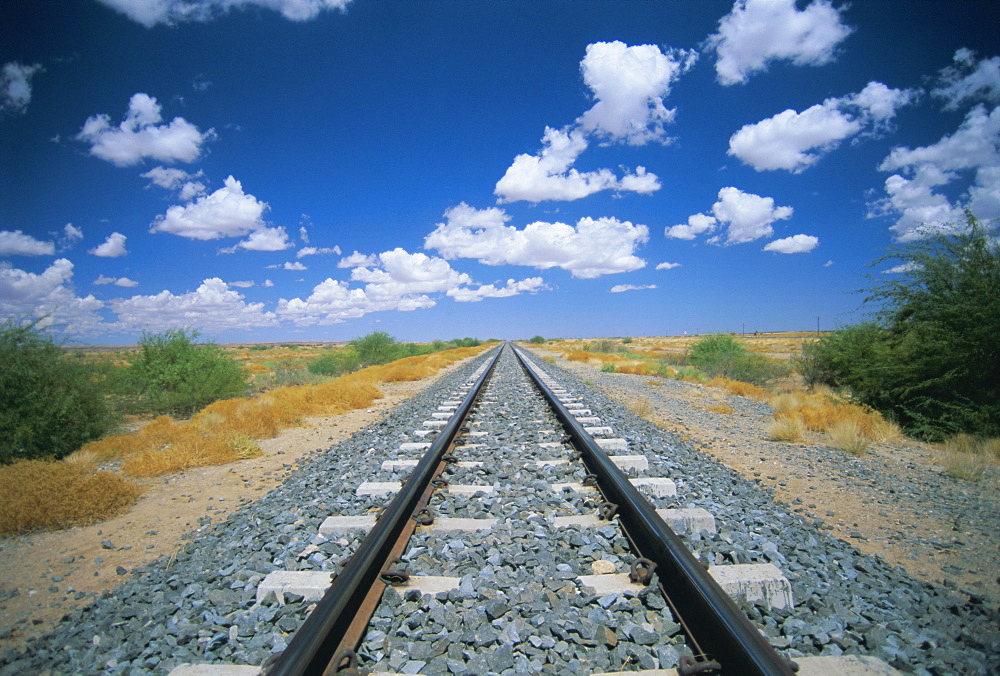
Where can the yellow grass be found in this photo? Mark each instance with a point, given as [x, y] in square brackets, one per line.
[790, 430]
[224, 430]
[642, 408]
[850, 427]
[740, 388]
[969, 458]
[47, 495]
[718, 408]
[848, 436]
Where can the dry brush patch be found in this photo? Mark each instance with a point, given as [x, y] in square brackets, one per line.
[50, 495]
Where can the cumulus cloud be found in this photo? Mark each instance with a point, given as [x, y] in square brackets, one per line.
[213, 307]
[49, 295]
[266, 239]
[152, 12]
[117, 281]
[794, 141]
[113, 247]
[227, 212]
[621, 288]
[242, 284]
[697, 224]
[313, 251]
[968, 79]
[394, 280]
[513, 287]
[746, 217]
[140, 135]
[16, 243]
[793, 244]
[71, 234]
[914, 192]
[549, 175]
[592, 248]
[757, 32]
[667, 266]
[177, 179]
[15, 86]
[357, 260]
[630, 84]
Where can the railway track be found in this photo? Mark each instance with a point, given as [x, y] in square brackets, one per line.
[518, 534]
[517, 574]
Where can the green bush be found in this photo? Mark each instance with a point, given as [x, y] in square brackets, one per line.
[335, 363]
[174, 375]
[931, 361]
[724, 356]
[377, 347]
[536, 340]
[51, 402]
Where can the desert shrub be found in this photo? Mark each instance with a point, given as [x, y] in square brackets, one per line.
[724, 356]
[39, 494]
[173, 374]
[603, 345]
[378, 347]
[50, 402]
[608, 368]
[335, 363]
[931, 359]
[536, 340]
[786, 429]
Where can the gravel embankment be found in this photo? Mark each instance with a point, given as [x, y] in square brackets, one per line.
[198, 606]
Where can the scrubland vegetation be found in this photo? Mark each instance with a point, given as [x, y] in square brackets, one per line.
[76, 427]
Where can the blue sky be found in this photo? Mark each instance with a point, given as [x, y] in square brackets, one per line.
[319, 169]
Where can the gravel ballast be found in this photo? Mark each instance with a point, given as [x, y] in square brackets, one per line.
[199, 605]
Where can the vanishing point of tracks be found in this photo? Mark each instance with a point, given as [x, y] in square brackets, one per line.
[559, 501]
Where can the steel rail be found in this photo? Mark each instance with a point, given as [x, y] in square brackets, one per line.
[317, 641]
[714, 620]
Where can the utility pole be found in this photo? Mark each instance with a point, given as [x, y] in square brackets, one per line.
[817, 326]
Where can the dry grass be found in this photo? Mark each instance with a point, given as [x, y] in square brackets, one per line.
[642, 408]
[48, 495]
[739, 388]
[848, 436]
[969, 458]
[789, 430]
[718, 408]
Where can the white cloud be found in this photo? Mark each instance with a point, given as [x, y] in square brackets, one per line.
[621, 288]
[630, 84]
[912, 193]
[140, 135]
[152, 12]
[26, 295]
[530, 285]
[357, 260]
[394, 280]
[267, 283]
[266, 239]
[795, 141]
[213, 307]
[313, 251]
[113, 247]
[793, 244]
[909, 266]
[549, 176]
[16, 243]
[227, 212]
[242, 285]
[667, 266]
[697, 224]
[117, 281]
[15, 86]
[967, 79]
[592, 248]
[290, 266]
[747, 217]
[756, 32]
[71, 233]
